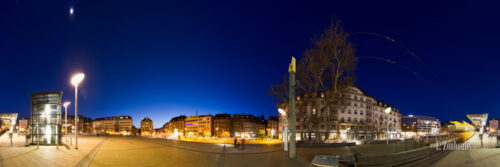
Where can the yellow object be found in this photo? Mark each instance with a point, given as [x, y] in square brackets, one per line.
[292, 66]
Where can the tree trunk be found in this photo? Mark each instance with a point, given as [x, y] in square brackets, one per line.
[317, 134]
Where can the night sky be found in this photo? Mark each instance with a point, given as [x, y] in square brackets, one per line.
[165, 58]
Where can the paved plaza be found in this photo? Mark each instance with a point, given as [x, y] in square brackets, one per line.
[139, 151]
[477, 156]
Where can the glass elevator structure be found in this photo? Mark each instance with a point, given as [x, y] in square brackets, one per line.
[45, 120]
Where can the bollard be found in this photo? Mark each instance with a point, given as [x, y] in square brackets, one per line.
[396, 146]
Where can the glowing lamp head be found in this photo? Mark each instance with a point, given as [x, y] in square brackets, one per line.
[66, 104]
[281, 111]
[77, 78]
[387, 110]
[71, 11]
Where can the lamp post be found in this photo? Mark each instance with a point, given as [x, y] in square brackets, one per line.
[428, 130]
[291, 106]
[75, 80]
[66, 104]
[285, 129]
[387, 111]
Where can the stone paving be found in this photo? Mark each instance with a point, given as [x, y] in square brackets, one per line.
[22, 156]
[137, 151]
[140, 151]
[477, 156]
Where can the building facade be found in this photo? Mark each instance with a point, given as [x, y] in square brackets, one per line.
[23, 125]
[84, 124]
[177, 127]
[362, 117]
[116, 125]
[415, 125]
[493, 126]
[248, 126]
[146, 127]
[199, 126]
[45, 118]
[272, 127]
[165, 127]
[222, 125]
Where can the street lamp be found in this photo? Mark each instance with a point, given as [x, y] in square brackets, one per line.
[387, 111]
[75, 80]
[281, 111]
[66, 104]
[285, 129]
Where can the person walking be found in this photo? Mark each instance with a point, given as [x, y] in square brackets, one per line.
[243, 144]
[235, 142]
[27, 138]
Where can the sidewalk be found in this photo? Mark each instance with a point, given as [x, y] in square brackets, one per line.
[477, 156]
[46, 155]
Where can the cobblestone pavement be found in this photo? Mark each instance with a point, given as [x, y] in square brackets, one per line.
[22, 156]
[139, 151]
[483, 157]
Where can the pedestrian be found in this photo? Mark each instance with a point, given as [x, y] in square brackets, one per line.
[27, 138]
[243, 144]
[235, 142]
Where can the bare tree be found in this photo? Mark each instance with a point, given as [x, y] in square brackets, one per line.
[323, 74]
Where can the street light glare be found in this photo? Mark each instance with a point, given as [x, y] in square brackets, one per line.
[388, 110]
[77, 78]
[281, 111]
[66, 104]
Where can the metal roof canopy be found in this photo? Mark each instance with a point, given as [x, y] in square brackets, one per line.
[479, 120]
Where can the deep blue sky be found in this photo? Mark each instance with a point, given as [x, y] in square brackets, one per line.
[165, 58]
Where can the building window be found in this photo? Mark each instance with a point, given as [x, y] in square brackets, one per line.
[342, 119]
[355, 119]
[342, 111]
[349, 111]
[356, 104]
[349, 119]
[361, 112]
[356, 112]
